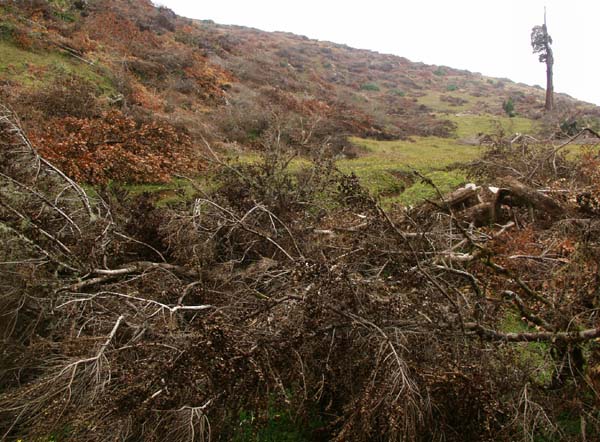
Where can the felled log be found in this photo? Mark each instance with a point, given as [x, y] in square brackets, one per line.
[488, 211]
[525, 196]
[463, 197]
[481, 214]
[471, 205]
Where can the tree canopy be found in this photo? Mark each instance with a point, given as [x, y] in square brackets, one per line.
[540, 42]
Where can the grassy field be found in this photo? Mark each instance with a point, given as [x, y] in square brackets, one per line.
[386, 166]
[433, 101]
[469, 125]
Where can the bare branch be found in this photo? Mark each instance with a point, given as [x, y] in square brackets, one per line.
[559, 336]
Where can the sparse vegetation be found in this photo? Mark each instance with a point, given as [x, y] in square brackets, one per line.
[440, 72]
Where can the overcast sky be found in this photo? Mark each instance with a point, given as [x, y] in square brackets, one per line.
[491, 37]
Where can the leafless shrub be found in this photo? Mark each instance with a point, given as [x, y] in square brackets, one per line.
[67, 96]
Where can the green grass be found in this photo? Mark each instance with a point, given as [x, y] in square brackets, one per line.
[384, 165]
[446, 181]
[279, 427]
[432, 100]
[35, 70]
[531, 354]
[382, 168]
[470, 125]
[572, 151]
[370, 87]
[278, 424]
[177, 191]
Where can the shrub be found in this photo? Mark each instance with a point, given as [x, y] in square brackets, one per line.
[509, 107]
[68, 95]
[164, 19]
[243, 120]
[19, 36]
[570, 127]
[453, 101]
[116, 147]
[7, 30]
[185, 86]
[370, 87]
[451, 87]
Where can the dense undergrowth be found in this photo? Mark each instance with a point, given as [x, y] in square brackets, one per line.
[287, 304]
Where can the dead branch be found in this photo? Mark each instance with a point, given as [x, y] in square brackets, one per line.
[558, 148]
[559, 336]
[526, 312]
[9, 120]
[84, 297]
[523, 195]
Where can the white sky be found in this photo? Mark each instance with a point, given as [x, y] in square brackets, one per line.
[491, 37]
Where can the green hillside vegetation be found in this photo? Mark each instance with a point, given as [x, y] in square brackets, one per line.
[36, 70]
[385, 167]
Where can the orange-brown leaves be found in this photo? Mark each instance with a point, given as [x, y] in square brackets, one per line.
[115, 147]
[119, 32]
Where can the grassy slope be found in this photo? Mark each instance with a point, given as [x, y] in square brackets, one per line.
[37, 69]
[385, 163]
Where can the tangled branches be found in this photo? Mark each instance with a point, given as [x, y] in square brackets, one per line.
[293, 291]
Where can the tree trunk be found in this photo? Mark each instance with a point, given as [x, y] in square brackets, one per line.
[549, 66]
[549, 83]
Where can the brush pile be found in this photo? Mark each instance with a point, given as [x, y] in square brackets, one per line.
[471, 317]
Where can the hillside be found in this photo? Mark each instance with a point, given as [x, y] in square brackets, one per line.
[65, 65]
[214, 233]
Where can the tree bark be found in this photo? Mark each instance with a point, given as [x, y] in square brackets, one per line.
[549, 68]
[549, 81]
[522, 195]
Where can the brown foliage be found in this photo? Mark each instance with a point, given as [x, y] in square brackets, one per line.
[116, 147]
[106, 25]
